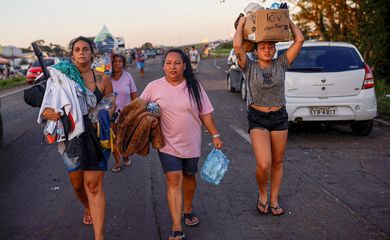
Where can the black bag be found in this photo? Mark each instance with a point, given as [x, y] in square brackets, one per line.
[33, 96]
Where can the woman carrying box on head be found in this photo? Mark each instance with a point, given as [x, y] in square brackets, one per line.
[267, 115]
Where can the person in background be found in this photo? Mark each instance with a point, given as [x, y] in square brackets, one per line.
[184, 106]
[140, 59]
[87, 177]
[194, 58]
[267, 115]
[124, 86]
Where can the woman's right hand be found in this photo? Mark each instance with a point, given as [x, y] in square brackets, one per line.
[50, 114]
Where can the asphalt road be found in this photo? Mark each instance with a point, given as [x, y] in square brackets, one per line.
[336, 184]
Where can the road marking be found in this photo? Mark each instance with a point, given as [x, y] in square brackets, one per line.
[242, 133]
[13, 92]
[226, 71]
[218, 67]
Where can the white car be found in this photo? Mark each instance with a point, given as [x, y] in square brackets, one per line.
[236, 80]
[329, 81]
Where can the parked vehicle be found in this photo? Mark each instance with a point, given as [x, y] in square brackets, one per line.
[329, 81]
[235, 78]
[36, 69]
[1, 127]
[150, 53]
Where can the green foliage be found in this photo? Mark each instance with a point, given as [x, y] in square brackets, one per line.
[147, 45]
[382, 89]
[12, 82]
[226, 45]
[52, 49]
[360, 22]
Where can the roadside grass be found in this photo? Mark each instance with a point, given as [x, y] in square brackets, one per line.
[12, 82]
[381, 89]
[220, 53]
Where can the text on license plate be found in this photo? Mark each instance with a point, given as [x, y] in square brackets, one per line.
[323, 111]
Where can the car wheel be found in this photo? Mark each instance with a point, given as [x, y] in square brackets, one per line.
[1, 130]
[229, 83]
[362, 128]
[243, 89]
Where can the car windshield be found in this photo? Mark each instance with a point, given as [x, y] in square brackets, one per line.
[326, 59]
[48, 62]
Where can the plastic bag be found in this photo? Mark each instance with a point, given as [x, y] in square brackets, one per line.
[214, 167]
[105, 43]
[252, 7]
[102, 63]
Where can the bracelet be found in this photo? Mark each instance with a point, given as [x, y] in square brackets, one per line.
[215, 136]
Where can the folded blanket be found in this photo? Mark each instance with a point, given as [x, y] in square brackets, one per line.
[135, 131]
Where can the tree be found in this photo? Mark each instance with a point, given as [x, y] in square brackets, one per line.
[51, 49]
[147, 45]
[360, 22]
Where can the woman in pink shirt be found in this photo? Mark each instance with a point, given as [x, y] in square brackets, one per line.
[124, 86]
[184, 107]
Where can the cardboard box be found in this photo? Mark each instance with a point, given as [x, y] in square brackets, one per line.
[267, 25]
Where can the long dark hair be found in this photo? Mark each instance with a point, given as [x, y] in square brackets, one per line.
[192, 82]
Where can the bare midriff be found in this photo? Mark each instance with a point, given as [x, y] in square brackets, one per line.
[266, 109]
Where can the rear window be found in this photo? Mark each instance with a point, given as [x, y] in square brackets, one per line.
[48, 62]
[326, 59]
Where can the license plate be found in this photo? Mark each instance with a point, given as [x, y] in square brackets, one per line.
[323, 111]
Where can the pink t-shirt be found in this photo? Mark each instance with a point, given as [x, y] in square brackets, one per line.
[123, 87]
[179, 118]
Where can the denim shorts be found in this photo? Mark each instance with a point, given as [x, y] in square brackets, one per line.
[140, 65]
[172, 163]
[271, 121]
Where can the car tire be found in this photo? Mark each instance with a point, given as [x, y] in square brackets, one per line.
[243, 89]
[229, 85]
[1, 130]
[362, 128]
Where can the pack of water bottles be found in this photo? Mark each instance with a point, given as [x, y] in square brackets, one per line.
[214, 167]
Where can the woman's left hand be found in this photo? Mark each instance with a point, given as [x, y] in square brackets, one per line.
[217, 142]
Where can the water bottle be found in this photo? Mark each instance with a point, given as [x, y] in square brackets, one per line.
[71, 164]
[153, 107]
[105, 103]
[275, 5]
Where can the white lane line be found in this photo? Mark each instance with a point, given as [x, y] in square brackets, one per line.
[13, 92]
[226, 71]
[218, 67]
[242, 133]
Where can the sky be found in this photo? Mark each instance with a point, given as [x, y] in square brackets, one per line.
[161, 22]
